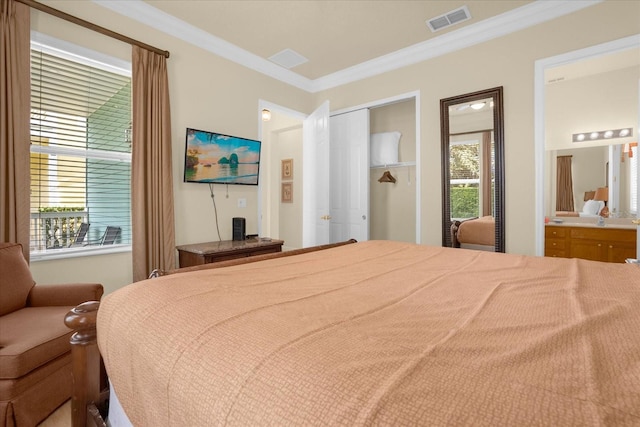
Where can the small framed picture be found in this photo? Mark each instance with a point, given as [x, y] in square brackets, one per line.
[287, 169]
[287, 192]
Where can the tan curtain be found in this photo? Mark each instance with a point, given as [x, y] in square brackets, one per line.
[152, 216]
[14, 123]
[487, 174]
[564, 184]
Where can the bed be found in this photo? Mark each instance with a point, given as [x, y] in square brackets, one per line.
[376, 333]
[590, 209]
[474, 233]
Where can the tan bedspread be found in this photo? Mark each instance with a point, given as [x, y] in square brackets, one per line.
[480, 231]
[380, 333]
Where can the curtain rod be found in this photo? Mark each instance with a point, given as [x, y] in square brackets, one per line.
[91, 26]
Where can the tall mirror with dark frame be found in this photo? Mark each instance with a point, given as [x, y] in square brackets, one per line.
[472, 133]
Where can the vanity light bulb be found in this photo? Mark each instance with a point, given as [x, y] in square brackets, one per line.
[580, 137]
[478, 105]
[624, 132]
[594, 135]
[608, 134]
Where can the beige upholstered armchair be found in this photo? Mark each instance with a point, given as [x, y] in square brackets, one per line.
[35, 353]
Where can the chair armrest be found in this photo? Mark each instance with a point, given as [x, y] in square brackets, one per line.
[70, 294]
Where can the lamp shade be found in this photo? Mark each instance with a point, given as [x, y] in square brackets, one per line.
[602, 193]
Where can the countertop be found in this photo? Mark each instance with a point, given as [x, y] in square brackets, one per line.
[592, 224]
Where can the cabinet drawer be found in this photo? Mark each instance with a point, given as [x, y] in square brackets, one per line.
[554, 252]
[554, 244]
[553, 231]
[605, 234]
[210, 252]
[265, 251]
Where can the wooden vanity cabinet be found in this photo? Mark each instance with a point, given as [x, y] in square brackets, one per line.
[594, 243]
[554, 242]
[603, 244]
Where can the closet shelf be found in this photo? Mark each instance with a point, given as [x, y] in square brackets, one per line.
[393, 165]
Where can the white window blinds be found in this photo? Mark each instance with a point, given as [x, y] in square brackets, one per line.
[80, 154]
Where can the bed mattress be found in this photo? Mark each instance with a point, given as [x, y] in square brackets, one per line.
[379, 333]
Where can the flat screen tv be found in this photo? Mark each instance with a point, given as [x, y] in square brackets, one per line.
[215, 158]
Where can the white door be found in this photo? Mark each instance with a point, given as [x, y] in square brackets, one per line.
[315, 176]
[349, 176]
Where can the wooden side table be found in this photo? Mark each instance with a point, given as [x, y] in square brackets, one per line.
[208, 252]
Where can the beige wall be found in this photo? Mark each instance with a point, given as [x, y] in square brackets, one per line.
[208, 92]
[111, 270]
[509, 62]
[281, 139]
[289, 146]
[392, 213]
[603, 101]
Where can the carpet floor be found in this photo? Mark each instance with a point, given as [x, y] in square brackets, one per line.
[60, 418]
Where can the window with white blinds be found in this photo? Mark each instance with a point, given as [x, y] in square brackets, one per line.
[633, 200]
[80, 154]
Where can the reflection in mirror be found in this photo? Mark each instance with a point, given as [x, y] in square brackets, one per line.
[613, 167]
[473, 170]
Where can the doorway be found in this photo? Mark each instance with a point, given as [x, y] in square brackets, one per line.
[603, 57]
[281, 138]
[279, 135]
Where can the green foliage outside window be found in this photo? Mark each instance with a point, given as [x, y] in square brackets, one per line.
[464, 202]
[464, 161]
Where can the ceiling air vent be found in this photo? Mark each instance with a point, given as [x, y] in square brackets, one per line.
[455, 16]
[288, 58]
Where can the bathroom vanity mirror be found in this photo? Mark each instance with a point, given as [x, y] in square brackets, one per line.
[611, 166]
[472, 135]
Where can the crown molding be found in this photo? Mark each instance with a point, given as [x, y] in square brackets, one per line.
[523, 17]
[518, 19]
[148, 15]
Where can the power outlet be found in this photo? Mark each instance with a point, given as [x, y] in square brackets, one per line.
[242, 202]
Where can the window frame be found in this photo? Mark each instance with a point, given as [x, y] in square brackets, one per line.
[83, 55]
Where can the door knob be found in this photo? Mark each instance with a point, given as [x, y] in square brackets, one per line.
[364, 217]
[325, 217]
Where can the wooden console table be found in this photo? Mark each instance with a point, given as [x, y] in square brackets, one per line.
[208, 252]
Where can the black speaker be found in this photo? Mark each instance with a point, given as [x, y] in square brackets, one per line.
[239, 228]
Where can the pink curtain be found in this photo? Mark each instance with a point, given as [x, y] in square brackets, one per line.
[152, 213]
[14, 123]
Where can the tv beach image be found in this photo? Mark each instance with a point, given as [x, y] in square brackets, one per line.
[221, 159]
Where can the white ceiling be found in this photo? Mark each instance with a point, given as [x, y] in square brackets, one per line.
[343, 40]
[332, 35]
